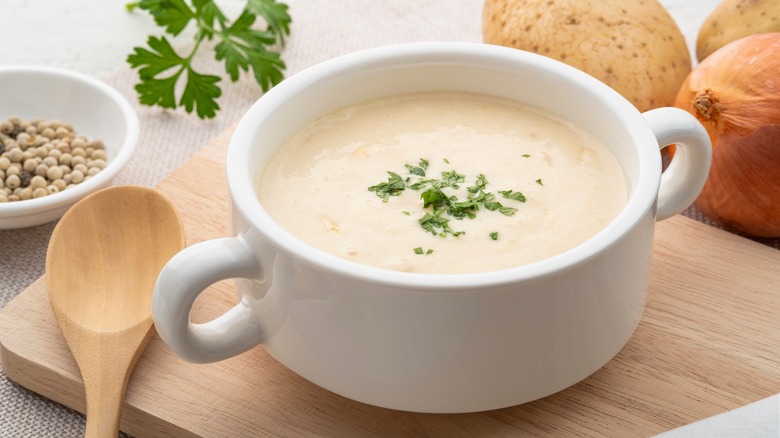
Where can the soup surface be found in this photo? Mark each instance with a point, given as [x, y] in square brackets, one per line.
[442, 182]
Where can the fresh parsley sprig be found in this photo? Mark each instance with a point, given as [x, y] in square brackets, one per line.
[241, 45]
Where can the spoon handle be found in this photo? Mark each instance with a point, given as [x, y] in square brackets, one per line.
[104, 408]
[106, 361]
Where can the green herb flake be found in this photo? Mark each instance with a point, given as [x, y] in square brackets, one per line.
[418, 170]
[494, 235]
[418, 250]
[539, 181]
[393, 187]
[434, 196]
[525, 155]
[511, 194]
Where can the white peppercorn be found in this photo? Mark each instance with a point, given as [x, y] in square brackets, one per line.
[37, 181]
[39, 158]
[99, 154]
[50, 161]
[78, 143]
[60, 184]
[76, 176]
[6, 127]
[48, 133]
[99, 163]
[61, 132]
[54, 173]
[30, 164]
[13, 181]
[15, 155]
[26, 193]
[41, 169]
[65, 158]
[24, 139]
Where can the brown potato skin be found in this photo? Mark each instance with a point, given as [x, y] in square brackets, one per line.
[734, 19]
[634, 47]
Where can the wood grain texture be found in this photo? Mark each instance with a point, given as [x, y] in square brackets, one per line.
[706, 344]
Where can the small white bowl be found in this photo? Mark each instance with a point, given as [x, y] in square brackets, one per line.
[95, 110]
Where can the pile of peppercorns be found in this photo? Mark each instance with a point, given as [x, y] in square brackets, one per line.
[43, 157]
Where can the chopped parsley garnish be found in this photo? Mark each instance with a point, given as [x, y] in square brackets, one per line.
[525, 155]
[419, 250]
[539, 181]
[440, 206]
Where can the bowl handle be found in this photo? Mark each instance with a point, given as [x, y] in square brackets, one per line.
[184, 278]
[684, 179]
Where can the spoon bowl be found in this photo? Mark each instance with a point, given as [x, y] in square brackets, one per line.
[101, 265]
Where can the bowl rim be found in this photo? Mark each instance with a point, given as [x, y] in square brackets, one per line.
[9, 210]
[240, 182]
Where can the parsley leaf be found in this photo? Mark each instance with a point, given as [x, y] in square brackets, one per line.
[275, 15]
[393, 187]
[241, 46]
[494, 235]
[418, 170]
[437, 225]
[511, 194]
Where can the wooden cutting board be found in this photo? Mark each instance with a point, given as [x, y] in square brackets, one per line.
[707, 343]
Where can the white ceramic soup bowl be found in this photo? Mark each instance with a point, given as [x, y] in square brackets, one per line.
[422, 342]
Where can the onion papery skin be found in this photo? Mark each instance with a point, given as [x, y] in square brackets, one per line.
[735, 94]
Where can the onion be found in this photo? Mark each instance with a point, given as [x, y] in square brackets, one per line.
[735, 94]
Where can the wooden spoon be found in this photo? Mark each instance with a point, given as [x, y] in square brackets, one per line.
[102, 262]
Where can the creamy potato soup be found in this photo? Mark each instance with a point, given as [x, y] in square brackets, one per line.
[443, 182]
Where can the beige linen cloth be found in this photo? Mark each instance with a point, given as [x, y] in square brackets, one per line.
[321, 30]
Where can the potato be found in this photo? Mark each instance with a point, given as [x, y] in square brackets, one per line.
[734, 19]
[635, 47]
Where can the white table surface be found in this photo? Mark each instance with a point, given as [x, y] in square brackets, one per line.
[95, 36]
